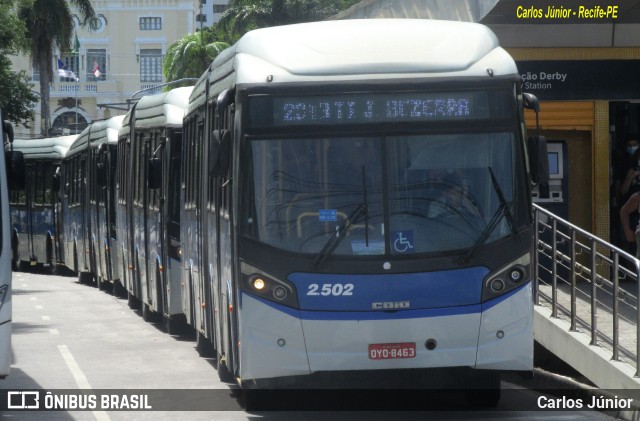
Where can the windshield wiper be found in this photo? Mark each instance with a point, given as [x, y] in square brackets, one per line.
[337, 236]
[502, 211]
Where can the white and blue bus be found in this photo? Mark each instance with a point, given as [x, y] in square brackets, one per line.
[12, 168]
[33, 214]
[357, 199]
[86, 198]
[148, 211]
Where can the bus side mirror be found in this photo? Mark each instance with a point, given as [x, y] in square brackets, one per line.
[101, 174]
[16, 174]
[219, 153]
[539, 163]
[8, 131]
[531, 102]
[537, 149]
[154, 173]
[55, 185]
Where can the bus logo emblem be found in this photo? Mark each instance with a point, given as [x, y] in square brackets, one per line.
[391, 305]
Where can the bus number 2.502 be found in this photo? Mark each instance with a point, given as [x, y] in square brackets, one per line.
[326, 290]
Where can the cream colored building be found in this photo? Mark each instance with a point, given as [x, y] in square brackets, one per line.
[122, 57]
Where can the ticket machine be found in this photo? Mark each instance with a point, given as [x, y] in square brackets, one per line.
[557, 199]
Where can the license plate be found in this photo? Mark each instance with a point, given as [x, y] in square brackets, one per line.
[392, 351]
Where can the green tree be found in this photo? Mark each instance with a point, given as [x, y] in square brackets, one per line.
[242, 16]
[191, 55]
[16, 96]
[49, 24]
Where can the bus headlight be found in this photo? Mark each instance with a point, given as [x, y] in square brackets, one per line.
[268, 287]
[506, 278]
[4, 292]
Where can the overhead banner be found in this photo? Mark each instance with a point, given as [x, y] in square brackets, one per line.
[581, 79]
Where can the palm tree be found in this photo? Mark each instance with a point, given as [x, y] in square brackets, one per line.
[242, 16]
[50, 24]
[191, 55]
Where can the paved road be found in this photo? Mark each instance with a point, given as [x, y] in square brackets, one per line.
[71, 338]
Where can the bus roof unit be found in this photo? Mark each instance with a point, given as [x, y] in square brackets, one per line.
[165, 109]
[52, 148]
[371, 49]
[105, 131]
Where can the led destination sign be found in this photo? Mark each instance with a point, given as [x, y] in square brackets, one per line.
[376, 108]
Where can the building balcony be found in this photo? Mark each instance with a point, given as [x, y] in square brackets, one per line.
[82, 89]
[93, 88]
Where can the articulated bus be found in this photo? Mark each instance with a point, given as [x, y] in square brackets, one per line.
[148, 194]
[357, 201]
[87, 183]
[11, 168]
[33, 214]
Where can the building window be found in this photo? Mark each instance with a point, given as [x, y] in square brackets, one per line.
[219, 8]
[201, 17]
[151, 65]
[150, 24]
[96, 64]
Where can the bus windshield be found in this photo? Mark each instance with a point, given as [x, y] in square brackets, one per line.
[422, 193]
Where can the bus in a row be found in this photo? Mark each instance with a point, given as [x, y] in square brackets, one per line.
[330, 200]
[32, 205]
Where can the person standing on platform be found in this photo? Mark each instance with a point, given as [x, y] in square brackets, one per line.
[626, 183]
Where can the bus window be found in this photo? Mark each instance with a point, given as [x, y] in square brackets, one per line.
[305, 189]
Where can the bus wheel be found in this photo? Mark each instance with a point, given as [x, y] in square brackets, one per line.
[223, 371]
[85, 277]
[100, 283]
[146, 312]
[174, 324]
[51, 264]
[149, 315]
[15, 260]
[132, 301]
[118, 289]
[204, 346]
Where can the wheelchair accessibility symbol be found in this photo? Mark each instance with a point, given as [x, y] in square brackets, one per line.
[403, 241]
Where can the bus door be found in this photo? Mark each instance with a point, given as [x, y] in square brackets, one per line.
[57, 195]
[96, 204]
[170, 219]
[111, 236]
[130, 192]
[142, 225]
[85, 228]
[154, 225]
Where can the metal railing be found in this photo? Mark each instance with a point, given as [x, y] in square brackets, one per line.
[590, 282]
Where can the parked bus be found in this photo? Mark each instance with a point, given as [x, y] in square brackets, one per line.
[148, 194]
[74, 205]
[357, 200]
[12, 167]
[88, 208]
[33, 214]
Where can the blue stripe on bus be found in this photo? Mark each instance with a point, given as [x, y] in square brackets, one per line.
[388, 315]
[357, 292]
